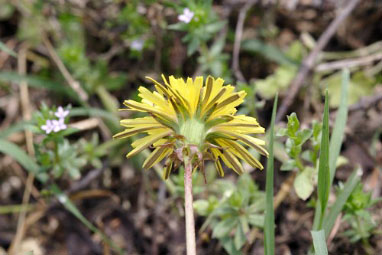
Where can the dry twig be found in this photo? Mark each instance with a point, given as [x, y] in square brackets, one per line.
[26, 111]
[238, 34]
[348, 63]
[75, 85]
[309, 62]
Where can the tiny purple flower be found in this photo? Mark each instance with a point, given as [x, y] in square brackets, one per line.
[48, 127]
[186, 16]
[61, 113]
[58, 125]
[137, 44]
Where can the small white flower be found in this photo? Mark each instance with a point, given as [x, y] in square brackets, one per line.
[48, 127]
[62, 198]
[137, 44]
[58, 125]
[61, 113]
[186, 16]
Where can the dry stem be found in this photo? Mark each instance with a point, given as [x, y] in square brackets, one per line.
[26, 110]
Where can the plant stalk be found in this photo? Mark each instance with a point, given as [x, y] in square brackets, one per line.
[189, 211]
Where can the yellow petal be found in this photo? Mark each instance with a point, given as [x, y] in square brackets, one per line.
[250, 141]
[156, 156]
[134, 131]
[145, 142]
[233, 162]
[242, 153]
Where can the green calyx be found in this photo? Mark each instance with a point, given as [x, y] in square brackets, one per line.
[194, 131]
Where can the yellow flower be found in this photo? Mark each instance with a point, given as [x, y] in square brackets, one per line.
[193, 119]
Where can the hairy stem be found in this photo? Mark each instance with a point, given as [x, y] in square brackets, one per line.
[190, 224]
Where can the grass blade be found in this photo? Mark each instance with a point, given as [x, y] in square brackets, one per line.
[96, 112]
[323, 186]
[38, 82]
[269, 223]
[268, 51]
[5, 48]
[340, 124]
[336, 209]
[319, 242]
[65, 201]
[20, 126]
[20, 156]
[8, 209]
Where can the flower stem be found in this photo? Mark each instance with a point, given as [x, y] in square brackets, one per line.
[190, 224]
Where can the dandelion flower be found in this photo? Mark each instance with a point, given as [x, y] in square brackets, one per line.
[186, 16]
[193, 119]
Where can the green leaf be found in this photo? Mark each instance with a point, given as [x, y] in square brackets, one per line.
[304, 183]
[229, 246]
[257, 220]
[359, 86]
[269, 223]
[224, 227]
[339, 126]
[214, 27]
[240, 238]
[293, 124]
[277, 82]
[304, 135]
[5, 48]
[201, 207]
[268, 51]
[341, 199]
[323, 169]
[319, 242]
[20, 156]
[180, 26]
[288, 165]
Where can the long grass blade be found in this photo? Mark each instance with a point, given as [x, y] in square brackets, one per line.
[269, 224]
[20, 156]
[8, 209]
[340, 124]
[6, 49]
[323, 186]
[19, 126]
[65, 201]
[336, 208]
[38, 82]
[319, 242]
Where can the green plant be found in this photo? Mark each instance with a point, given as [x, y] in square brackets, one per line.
[199, 20]
[357, 215]
[232, 211]
[304, 161]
